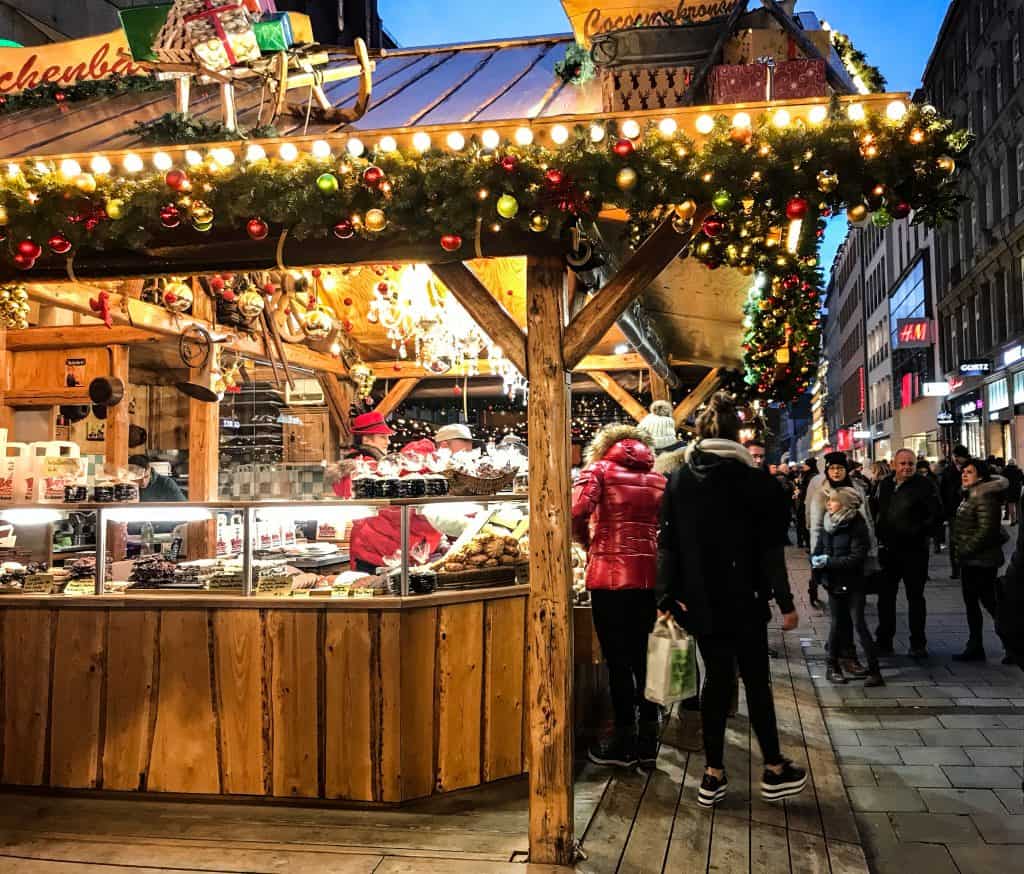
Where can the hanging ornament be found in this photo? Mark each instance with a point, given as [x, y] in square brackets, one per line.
[900, 210]
[317, 324]
[85, 182]
[251, 303]
[539, 222]
[4, 218]
[626, 179]
[796, 209]
[177, 296]
[327, 183]
[59, 244]
[713, 225]
[946, 164]
[347, 326]
[343, 230]
[201, 215]
[23, 262]
[451, 242]
[623, 148]
[507, 206]
[741, 135]
[170, 216]
[881, 217]
[257, 229]
[722, 201]
[177, 180]
[554, 177]
[857, 213]
[827, 181]
[375, 220]
[509, 163]
[14, 306]
[114, 208]
[29, 249]
[373, 176]
[686, 210]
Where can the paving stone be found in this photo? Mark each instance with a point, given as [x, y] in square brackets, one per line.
[1009, 756]
[841, 719]
[986, 860]
[870, 755]
[970, 720]
[1003, 737]
[876, 832]
[886, 692]
[878, 737]
[1012, 720]
[945, 703]
[914, 776]
[961, 801]
[844, 737]
[982, 702]
[997, 829]
[876, 703]
[940, 691]
[952, 737]
[981, 777]
[1013, 799]
[858, 775]
[910, 720]
[887, 798]
[935, 828]
[904, 858]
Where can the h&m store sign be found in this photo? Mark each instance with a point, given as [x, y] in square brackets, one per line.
[591, 18]
[66, 63]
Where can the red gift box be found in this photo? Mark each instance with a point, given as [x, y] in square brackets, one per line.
[738, 83]
[795, 80]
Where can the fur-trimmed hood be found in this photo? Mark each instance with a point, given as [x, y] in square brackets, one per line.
[635, 447]
[669, 462]
[993, 485]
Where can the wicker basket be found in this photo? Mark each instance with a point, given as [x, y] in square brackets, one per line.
[171, 46]
[464, 485]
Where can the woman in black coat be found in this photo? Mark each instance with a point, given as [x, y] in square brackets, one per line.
[839, 553]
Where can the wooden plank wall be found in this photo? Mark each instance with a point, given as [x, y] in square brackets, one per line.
[374, 706]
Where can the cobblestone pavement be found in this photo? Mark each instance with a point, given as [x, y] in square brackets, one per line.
[932, 762]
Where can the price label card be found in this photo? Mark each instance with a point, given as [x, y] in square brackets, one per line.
[38, 584]
[86, 586]
[278, 585]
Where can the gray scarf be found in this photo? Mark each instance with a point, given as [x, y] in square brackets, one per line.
[834, 520]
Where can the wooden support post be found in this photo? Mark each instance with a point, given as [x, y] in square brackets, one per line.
[229, 110]
[182, 93]
[659, 388]
[203, 451]
[549, 631]
[338, 394]
[705, 388]
[399, 392]
[117, 416]
[482, 307]
[622, 397]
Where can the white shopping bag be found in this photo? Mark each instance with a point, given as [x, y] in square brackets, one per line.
[671, 664]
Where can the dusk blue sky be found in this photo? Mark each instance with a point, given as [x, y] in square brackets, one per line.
[896, 35]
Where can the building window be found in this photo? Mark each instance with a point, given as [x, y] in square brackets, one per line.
[1015, 48]
[1004, 188]
[997, 75]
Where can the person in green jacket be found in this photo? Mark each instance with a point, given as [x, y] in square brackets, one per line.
[155, 486]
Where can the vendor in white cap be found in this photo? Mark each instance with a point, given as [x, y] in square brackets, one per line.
[456, 438]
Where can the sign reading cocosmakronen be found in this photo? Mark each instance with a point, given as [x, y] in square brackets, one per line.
[592, 17]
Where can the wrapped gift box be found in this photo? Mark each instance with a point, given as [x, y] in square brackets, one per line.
[220, 32]
[261, 7]
[274, 33]
[795, 80]
[748, 46]
[738, 83]
[141, 25]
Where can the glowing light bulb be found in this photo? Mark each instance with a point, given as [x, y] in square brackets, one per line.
[781, 118]
[355, 147]
[336, 349]
[421, 141]
[456, 141]
[100, 165]
[321, 149]
[668, 126]
[132, 163]
[70, 168]
[288, 152]
[162, 161]
[255, 153]
[490, 138]
[13, 171]
[896, 110]
[559, 134]
[855, 112]
[621, 349]
[193, 158]
[524, 136]
[704, 124]
[817, 114]
[596, 133]
[630, 129]
[388, 144]
[741, 120]
[224, 157]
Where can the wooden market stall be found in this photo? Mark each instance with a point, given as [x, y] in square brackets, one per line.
[393, 698]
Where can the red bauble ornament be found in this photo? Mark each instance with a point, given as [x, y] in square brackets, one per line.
[509, 163]
[347, 326]
[347, 301]
[257, 229]
[92, 223]
[315, 272]
[23, 262]
[177, 180]
[373, 176]
[451, 242]
[228, 295]
[790, 282]
[457, 390]
[796, 209]
[554, 177]
[900, 210]
[217, 283]
[343, 230]
[713, 225]
[383, 288]
[59, 244]
[623, 148]
[170, 216]
[29, 248]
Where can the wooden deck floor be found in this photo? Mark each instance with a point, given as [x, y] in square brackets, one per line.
[629, 822]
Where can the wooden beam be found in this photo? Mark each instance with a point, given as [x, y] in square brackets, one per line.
[705, 388]
[399, 392]
[485, 310]
[339, 399]
[622, 397]
[592, 322]
[659, 388]
[809, 49]
[116, 432]
[607, 363]
[203, 450]
[549, 625]
[77, 337]
[51, 398]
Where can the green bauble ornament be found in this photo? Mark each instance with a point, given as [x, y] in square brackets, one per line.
[508, 206]
[327, 183]
[722, 201]
[881, 218]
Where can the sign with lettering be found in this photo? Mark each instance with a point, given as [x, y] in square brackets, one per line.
[975, 367]
[589, 18]
[913, 333]
[66, 63]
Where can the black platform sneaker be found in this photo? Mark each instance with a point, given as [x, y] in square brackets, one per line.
[790, 781]
[712, 790]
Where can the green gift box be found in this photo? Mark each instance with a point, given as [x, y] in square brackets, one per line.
[141, 24]
[274, 33]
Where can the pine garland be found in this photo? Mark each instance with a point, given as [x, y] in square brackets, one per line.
[178, 128]
[856, 63]
[51, 93]
[577, 67]
[754, 178]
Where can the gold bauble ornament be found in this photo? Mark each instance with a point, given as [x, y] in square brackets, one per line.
[201, 213]
[827, 181]
[317, 325]
[177, 296]
[3, 217]
[763, 304]
[375, 220]
[686, 210]
[626, 178]
[250, 303]
[946, 164]
[539, 223]
[857, 213]
[85, 182]
[114, 208]
[746, 269]
[704, 249]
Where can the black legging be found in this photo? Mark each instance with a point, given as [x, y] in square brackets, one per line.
[978, 585]
[746, 648]
[622, 619]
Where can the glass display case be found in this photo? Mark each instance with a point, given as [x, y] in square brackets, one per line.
[321, 549]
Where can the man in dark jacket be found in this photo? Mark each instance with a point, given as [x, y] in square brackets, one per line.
[1010, 616]
[951, 489]
[906, 509]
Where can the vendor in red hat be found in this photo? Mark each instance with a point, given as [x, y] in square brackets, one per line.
[371, 439]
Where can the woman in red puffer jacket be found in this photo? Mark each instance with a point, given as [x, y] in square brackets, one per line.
[616, 504]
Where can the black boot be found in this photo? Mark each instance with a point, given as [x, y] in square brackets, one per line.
[853, 668]
[874, 676]
[616, 749]
[835, 673]
[647, 744]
